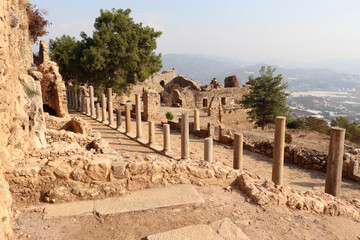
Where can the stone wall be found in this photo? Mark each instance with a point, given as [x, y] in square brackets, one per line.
[264, 192]
[68, 174]
[54, 91]
[156, 83]
[21, 115]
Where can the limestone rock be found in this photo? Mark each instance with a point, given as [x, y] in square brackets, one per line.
[119, 170]
[98, 170]
[78, 125]
[228, 230]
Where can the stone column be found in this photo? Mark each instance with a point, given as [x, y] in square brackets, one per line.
[166, 138]
[70, 98]
[67, 96]
[118, 118]
[238, 151]
[80, 99]
[88, 110]
[196, 120]
[138, 116]
[83, 104]
[128, 117]
[110, 106]
[208, 149]
[335, 161]
[184, 136]
[103, 108]
[76, 100]
[97, 111]
[278, 155]
[92, 105]
[73, 98]
[151, 133]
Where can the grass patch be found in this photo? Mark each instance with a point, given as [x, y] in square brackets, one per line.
[30, 92]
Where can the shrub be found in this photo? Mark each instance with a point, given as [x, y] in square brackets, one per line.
[169, 116]
[288, 138]
[37, 22]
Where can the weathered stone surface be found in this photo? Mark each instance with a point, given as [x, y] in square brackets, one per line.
[119, 170]
[63, 171]
[98, 170]
[149, 199]
[68, 209]
[263, 192]
[228, 230]
[200, 231]
[78, 125]
[231, 81]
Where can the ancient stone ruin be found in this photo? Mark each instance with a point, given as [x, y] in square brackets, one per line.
[89, 162]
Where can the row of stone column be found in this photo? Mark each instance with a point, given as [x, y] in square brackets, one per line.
[87, 105]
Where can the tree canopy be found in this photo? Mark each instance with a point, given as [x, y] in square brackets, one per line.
[119, 53]
[266, 98]
[352, 129]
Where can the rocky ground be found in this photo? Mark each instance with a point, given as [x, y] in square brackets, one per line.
[258, 222]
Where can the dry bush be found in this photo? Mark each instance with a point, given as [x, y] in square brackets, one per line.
[37, 22]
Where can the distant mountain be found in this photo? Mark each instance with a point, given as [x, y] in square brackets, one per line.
[203, 69]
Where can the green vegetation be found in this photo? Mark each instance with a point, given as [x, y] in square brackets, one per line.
[267, 97]
[309, 123]
[169, 116]
[120, 53]
[352, 129]
[288, 137]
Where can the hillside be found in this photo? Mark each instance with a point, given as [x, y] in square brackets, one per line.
[202, 69]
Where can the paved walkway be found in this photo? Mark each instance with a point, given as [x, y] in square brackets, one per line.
[135, 201]
[294, 176]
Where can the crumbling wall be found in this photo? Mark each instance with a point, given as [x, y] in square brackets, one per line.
[21, 115]
[156, 83]
[151, 105]
[54, 91]
[231, 81]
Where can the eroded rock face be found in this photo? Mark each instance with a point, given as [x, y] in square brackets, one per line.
[21, 117]
[231, 81]
[54, 91]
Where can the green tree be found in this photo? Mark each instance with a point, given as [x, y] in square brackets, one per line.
[63, 52]
[119, 53]
[352, 129]
[266, 98]
[317, 124]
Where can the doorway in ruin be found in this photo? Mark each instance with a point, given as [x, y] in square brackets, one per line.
[205, 102]
[49, 110]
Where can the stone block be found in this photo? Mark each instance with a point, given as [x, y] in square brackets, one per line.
[98, 170]
[119, 170]
[228, 230]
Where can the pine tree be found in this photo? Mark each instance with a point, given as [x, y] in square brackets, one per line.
[266, 98]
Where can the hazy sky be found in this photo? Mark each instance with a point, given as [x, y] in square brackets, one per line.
[249, 30]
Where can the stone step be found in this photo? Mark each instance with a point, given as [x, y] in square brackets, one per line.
[135, 201]
[149, 199]
[222, 229]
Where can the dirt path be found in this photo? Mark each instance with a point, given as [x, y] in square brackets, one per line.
[256, 222]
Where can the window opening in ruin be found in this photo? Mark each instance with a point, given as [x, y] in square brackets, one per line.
[49, 110]
[162, 83]
[223, 101]
[205, 102]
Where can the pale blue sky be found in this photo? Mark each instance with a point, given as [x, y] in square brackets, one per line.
[249, 30]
